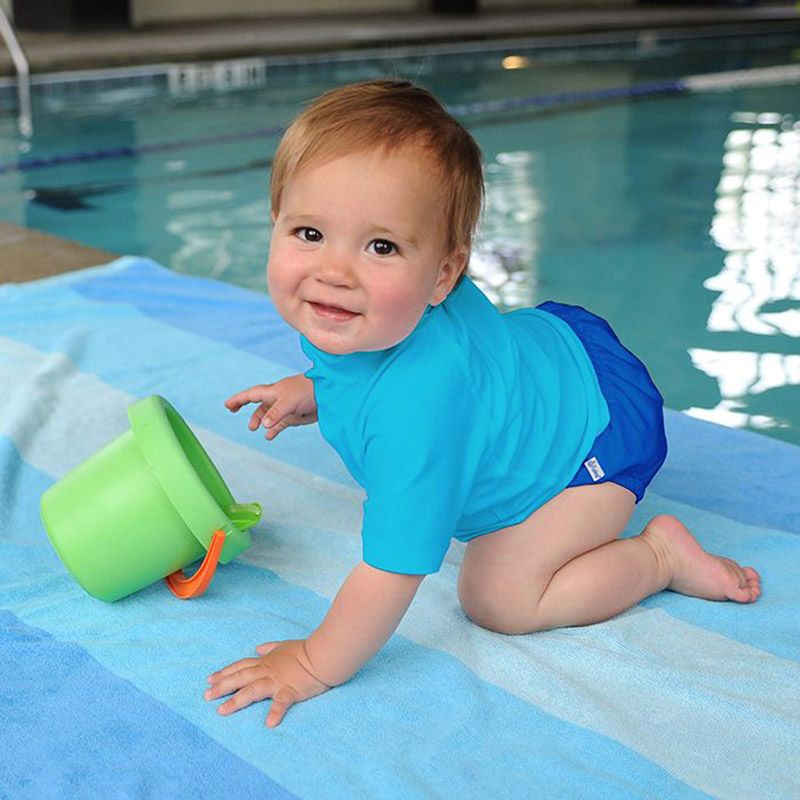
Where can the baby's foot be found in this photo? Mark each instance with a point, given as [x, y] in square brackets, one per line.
[695, 572]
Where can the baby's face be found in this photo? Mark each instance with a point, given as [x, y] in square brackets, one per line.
[359, 251]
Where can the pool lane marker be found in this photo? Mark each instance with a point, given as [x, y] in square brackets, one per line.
[28, 164]
[735, 79]
[715, 81]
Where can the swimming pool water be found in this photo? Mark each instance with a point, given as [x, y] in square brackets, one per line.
[675, 217]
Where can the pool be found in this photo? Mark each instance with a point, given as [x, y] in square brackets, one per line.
[672, 213]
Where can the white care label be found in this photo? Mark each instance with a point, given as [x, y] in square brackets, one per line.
[594, 468]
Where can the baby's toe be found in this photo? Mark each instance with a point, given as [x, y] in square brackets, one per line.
[742, 582]
[753, 582]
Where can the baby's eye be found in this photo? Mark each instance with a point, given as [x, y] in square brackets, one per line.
[383, 247]
[308, 234]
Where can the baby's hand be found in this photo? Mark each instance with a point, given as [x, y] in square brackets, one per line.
[288, 402]
[283, 672]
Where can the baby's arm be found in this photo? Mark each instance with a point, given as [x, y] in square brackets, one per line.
[288, 402]
[362, 617]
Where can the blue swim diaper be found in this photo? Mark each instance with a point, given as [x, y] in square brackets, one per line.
[633, 446]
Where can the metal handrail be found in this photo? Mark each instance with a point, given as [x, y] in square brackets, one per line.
[24, 120]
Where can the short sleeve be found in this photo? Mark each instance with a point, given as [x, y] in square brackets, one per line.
[422, 451]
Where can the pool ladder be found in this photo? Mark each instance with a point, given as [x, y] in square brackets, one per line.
[24, 119]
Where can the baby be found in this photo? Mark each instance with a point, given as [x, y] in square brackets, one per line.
[528, 435]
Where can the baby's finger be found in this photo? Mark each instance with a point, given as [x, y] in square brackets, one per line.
[267, 647]
[276, 414]
[250, 693]
[255, 394]
[275, 429]
[234, 682]
[231, 669]
[236, 401]
[287, 422]
[258, 415]
[284, 699]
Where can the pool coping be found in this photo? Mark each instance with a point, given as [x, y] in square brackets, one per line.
[27, 255]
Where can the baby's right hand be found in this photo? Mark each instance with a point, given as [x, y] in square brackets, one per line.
[288, 402]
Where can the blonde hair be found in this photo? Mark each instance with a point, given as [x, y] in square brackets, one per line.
[388, 114]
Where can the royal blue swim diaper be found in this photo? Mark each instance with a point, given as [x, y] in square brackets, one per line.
[633, 446]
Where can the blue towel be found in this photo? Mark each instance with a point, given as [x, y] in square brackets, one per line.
[677, 698]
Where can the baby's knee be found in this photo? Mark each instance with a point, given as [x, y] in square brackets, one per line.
[497, 614]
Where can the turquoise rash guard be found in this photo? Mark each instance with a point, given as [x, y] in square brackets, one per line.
[466, 426]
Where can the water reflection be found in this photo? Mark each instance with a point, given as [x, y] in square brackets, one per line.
[504, 260]
[218, 238]
[757, 223]
[741, 375]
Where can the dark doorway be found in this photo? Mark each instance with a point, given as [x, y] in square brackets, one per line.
[65, 15]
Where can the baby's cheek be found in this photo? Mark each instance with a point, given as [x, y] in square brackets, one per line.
[280, 278]
[281, 293]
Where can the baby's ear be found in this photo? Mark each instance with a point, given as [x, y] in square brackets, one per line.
[451, 268]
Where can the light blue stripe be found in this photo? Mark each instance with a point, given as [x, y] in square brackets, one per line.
[216, 311]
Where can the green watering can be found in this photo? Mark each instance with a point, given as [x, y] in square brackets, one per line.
[143, 508]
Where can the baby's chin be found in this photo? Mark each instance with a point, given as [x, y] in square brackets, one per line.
[334, 346]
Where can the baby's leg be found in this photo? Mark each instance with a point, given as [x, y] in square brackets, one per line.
[564, 565]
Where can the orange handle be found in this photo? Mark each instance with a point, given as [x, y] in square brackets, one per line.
[194, 586]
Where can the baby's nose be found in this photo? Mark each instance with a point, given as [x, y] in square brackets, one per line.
[336, 271]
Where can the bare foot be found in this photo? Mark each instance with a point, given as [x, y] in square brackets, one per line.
[695, 572]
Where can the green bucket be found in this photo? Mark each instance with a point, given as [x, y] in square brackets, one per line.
[144, 507]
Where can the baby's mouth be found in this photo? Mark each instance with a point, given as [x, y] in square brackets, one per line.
[332, 312]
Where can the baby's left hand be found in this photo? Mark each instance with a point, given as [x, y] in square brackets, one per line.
[282, 672]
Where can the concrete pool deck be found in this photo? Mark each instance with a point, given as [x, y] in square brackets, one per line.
[27, 255]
